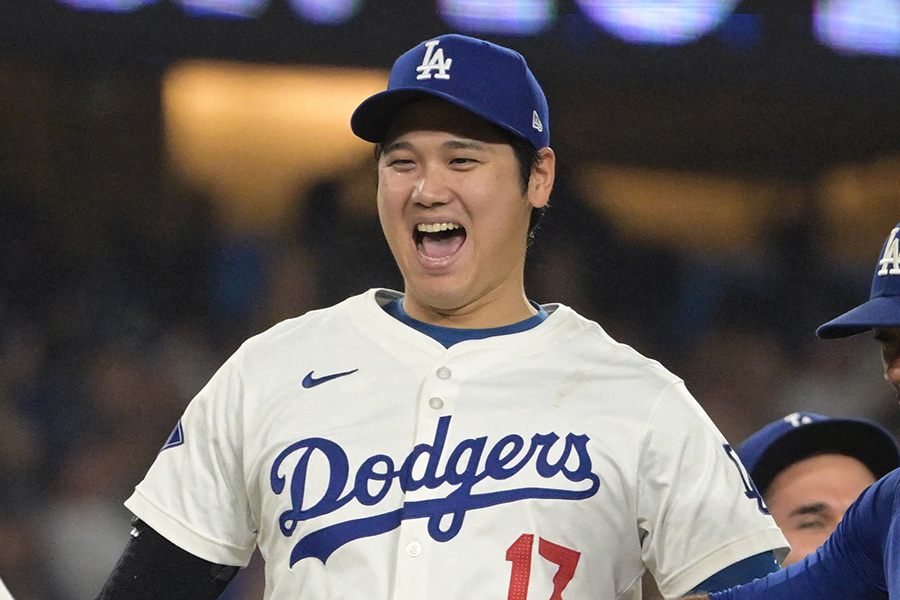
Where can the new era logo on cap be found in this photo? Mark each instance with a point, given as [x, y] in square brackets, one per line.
[883, 306]
[488, 80]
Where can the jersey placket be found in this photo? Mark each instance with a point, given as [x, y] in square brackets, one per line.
[414, 552]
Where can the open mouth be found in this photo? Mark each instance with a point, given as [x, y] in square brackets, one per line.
[439, 240]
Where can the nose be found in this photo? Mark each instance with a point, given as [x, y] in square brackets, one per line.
[432, 188]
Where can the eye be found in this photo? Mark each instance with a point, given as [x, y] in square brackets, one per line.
[401, 163]
[463, 161]
[811, 524]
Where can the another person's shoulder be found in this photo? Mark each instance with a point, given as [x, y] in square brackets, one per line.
[892, 479]
[873, 514]
[885, 490]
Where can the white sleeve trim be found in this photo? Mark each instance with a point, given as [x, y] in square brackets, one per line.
[184, 537]
[738, 550]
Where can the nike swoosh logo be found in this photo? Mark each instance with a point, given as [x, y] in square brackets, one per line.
[310, 382]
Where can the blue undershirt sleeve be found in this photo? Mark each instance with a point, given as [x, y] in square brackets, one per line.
[851, 563]
[753, 567]
[809, 579]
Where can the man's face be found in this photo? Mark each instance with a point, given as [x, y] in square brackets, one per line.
[453, 211]
[808, 499]
[889, 338]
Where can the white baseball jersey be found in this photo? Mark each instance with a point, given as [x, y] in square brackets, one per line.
[4, 593]
[365, 460]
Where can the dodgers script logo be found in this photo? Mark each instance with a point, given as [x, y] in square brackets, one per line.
[459, 475]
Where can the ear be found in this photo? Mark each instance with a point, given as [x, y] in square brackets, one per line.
[542, 176]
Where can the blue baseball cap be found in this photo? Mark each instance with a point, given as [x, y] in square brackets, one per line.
[488, 80]
[802, 435]
[883, 307]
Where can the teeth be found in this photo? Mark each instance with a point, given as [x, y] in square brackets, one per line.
[436, 227]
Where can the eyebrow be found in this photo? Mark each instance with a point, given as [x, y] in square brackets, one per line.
[396, 146]
[808, 509]
[463, 144]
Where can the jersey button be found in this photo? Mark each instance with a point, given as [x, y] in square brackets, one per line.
[443, 373]
[436, 403]
[414, 549]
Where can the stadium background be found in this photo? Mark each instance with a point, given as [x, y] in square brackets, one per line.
[178, 175]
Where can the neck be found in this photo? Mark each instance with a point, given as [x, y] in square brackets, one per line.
[482, 314]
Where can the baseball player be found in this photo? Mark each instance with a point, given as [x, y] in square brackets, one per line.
[810, 468]
[456, 440]
[861, 559]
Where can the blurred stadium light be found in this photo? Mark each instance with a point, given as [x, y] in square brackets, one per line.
[847, 26]
[859, 26]
[664, 22]
[476, 17]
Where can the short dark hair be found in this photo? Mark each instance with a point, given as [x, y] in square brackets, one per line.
[528, 158]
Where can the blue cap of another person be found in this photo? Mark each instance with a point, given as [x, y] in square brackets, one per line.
[802, 435]
[489, 80]
[883, 306]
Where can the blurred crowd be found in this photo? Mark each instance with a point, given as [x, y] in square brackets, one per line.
[107, 332]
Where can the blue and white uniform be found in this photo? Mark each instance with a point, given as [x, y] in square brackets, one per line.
[860, 561]
[367, 460]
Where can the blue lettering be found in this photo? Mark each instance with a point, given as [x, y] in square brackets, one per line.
[495, 466]
[433, 452]
[366, 473]
[463, 470]
[750, 489]
[474, 448]
[330, 501]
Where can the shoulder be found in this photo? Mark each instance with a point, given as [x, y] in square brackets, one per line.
[876, 509]
[587, 340]
[337, 329]
[318, 325]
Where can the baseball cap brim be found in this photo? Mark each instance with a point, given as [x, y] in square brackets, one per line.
[866, 441]
[882, 311]
[372, 119]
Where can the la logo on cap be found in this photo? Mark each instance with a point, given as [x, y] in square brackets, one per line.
[891, 255]
[796, 419]
[434, 60]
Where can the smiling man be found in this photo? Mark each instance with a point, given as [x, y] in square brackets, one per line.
[456, 215]
[455, 439]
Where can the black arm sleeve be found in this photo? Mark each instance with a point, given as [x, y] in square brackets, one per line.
[153, 568]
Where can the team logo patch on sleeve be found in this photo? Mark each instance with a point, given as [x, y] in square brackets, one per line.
[176, 438]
